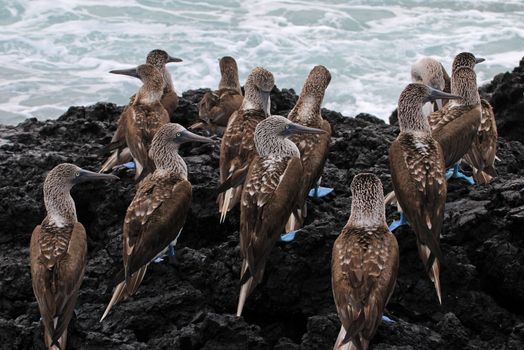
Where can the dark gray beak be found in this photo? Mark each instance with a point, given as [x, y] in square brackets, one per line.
[132, 72]
[437, 94]
[293, 128]
[479, 60]
[86, 175]
[173, 59]
[188, 136]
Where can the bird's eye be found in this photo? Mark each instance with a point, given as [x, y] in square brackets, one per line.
[177, 134]
[287, 126]
[77, 174]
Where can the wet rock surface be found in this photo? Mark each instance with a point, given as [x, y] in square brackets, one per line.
[189, 303]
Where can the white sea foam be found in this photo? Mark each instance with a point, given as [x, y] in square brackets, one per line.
[56, 54]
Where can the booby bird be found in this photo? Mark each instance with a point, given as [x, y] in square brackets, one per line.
[364, 265]
[216, 107]
[481, 156]
[417, 169]
[238, 148]
[142, 118]
[313, 148]
[158, 211]
[121, 154]
[268, 197]
[58, 252]
[456, 126]
[431, 72]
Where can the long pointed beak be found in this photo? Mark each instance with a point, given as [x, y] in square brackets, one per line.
[437, 94]
[294, 128]
[173, 59]
[132, 72]
[86, 175]
[266, 101]
[479, 60]
[188, 136]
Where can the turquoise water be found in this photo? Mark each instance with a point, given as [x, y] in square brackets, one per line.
[54, 54]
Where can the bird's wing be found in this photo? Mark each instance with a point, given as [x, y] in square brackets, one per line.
[58, 262]
[268, 197]
[364, 270]
[481, 155]
[154, 218]
[456, 131]
[417, 174]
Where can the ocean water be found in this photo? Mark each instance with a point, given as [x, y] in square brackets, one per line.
[54, 54]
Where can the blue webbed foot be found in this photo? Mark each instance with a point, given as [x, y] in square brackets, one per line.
[455, 173]
[129, 165]
[170, 253]
[319, 192]
[289, 236]
[387, 319]
[397, 223]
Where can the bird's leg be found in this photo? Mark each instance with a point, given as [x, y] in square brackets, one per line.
[386, 319]
[400, 222]
[397, 223]
[169, 251]
[288, 236]
[319, 191]
[455, 173]
[128, 165]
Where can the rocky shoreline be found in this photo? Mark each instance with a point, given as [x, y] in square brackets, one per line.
[190, 303]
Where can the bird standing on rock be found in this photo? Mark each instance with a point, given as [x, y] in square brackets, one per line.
[143, 117]
[155, 217]
[158, 59]
[417, 169]
[313, 149]
[216, 107]
[364, 265]
[456, 126]
[483, 151]
[268, 196]
[58, 252]
[238, 148]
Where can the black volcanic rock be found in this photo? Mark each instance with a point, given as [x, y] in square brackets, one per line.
[506, 95]
[190, 302]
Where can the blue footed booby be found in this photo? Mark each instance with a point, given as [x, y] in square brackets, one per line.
[313, 148]
[455, 127]
[238, 148]
[268, 196]
[416, 162]
[58, 252]
[121, 154]
[141, 119]
[157, 214]
[430, 72]
[482, 153]
[364, 265]
[216, 107]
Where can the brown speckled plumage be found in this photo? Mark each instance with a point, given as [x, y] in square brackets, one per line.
[215, 108]
[364, 265]
[417, 173]
[313, 148]
[268, 198]
[456, 125]
[157, 213]
[237, 147]
[58, 254]
[169, 100]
